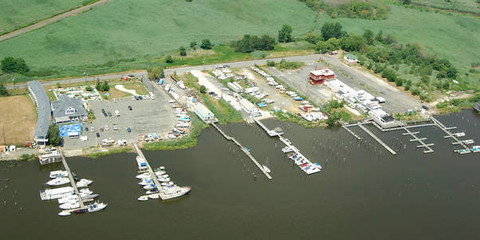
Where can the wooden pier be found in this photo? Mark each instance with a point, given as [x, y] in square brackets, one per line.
[160, 193]
[450, 135]
[378, 139]
[351, 132]
[243, 149]
[415, 138]
[271, 133]
[74, 185]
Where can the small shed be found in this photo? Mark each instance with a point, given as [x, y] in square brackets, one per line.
[203, 113]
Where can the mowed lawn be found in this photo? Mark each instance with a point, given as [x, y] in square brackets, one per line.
[143, 28]
[18, 119]
[17, 13]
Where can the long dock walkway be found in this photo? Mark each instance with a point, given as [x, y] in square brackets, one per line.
[72, 182]
[243, 149]
[427, 147]
[160, 193]
[351, 132]
[378, 139]
[449, 134]
[271, 133]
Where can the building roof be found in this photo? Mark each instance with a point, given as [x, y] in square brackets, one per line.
[323, 72]
[64, 102]
[43, 109]
[202, 110]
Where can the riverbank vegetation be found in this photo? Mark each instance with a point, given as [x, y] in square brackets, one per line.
[110, 151]
[184, 142]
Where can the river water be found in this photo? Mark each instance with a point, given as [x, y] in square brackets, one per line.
[363, 192]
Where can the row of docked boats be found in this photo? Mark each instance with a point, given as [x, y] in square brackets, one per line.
[67, 197]
[157, 185]
[304, 164]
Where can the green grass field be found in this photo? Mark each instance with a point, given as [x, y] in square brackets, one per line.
[461, 5]
[143, 30]
[17, 13]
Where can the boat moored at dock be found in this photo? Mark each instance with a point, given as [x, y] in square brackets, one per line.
[58, 181]
[56, 193]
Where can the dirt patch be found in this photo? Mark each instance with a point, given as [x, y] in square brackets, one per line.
[18, 119]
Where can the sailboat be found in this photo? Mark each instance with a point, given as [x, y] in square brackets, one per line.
[267, 170]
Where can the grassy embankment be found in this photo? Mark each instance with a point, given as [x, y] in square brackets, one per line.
[110, 151]
[136, 40]
[187, 141]
[16, 14]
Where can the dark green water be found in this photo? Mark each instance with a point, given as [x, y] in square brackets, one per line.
[363, 191]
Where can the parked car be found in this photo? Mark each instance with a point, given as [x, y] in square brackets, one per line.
[115, 100]
[109, 114]
[129, 130]
[92, 129]
[115, 128]
[130, 108]
[106, 128]
[131, 75]
[425, 107]
[98, 134]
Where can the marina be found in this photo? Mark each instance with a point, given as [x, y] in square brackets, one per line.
[245, 150]
[153, 181]
[70, 199]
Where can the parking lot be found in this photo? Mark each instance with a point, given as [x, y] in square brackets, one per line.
[146, 117]
[397, 101]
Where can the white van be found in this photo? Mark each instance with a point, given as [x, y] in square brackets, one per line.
[117, 113]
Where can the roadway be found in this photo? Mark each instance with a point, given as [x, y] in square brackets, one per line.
[50, 20]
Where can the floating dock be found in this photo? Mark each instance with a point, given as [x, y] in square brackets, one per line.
[415, 138]
[243, 149]
[351, 132]
[160, 193]
[271, 133]
[74, 185]
[465, 149]
[377, 139]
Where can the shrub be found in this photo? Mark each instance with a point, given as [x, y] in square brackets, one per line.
[183, 51]
[331, 30]
[285, 34]
[206, 44]
[3, 90]
[169, 59]
[203, 89]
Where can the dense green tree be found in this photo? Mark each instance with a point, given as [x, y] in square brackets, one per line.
[265, 43]
[156, 73]
[105, 86]
[331, 30]
[399, 82]
[285, 34]
[3, 90]
[406, 2]
[379, 36]
[389, 74]
[368, 35]
[206, 44]
[323, 46]
[245, 44]
[193, 45]
[203, 89]
[312, 37]
[14, 65]
[168, 59]
[53, 135]
[352, 43]
[183, 51]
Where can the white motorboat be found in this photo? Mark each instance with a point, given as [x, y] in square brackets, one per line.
[58, 181]
[163, 176]
[56, 193]
[142, 164]
[287, 149]
[160, 173]
[151, 191]
[145, 182]
[95, 207]
[85, 191]
[154, 196]
[143, 175]
[175, 191]
[163, 179]
[83, 183]
[69, 205]
[165, 184]
[150, 187]
[143, 198]
[74, 198]
[58, 174]
[267, 170]
[64, 213]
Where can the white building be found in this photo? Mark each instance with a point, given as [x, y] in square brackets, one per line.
[235, 87]
[203, 113]
[248, 107]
